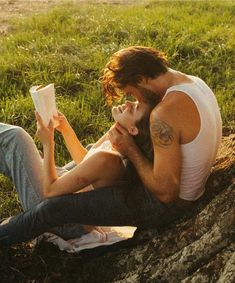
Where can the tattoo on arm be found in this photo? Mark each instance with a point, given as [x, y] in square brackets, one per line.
[161, 133]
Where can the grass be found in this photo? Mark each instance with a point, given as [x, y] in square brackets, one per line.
[70, 45]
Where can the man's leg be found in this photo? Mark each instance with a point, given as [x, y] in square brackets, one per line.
[111, 206]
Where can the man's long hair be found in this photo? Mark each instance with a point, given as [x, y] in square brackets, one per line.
[128, 66]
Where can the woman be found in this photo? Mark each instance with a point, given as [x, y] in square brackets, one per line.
[36, 179]
[101, 166]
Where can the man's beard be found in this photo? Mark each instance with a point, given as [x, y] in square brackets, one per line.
[150, 97]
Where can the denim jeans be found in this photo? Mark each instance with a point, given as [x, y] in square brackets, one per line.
[21, 162]
[120, 205]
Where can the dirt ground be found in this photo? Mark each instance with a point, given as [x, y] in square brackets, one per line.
[23, 8]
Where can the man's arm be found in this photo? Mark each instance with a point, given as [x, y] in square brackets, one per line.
[167, 156]
[162, 177]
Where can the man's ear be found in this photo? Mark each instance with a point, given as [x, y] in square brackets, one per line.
[133, 131]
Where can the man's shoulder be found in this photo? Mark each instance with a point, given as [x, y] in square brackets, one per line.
[174, 103]
[170, 106]
[165, 119]
[175, 110]
[179, 111]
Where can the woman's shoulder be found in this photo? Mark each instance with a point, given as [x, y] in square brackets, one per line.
[109, 167]
[107, 156]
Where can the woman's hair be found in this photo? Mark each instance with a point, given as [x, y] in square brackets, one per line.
[128, 66]
[144, 142]
[143, 139]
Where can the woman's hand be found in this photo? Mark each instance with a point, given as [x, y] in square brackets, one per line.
[63, 122]
[45, 134]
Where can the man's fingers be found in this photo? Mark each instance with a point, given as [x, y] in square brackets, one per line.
[113, 131]
[120, 129]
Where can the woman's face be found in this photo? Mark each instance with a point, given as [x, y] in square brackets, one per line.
[128, 114]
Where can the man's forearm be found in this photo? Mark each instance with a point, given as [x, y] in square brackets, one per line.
[143, 167]
[145, 170]
[75, 148]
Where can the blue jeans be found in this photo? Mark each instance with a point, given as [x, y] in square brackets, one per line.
[120, 205]
[22, 163]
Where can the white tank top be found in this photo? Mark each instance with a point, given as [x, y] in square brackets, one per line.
[199, 155]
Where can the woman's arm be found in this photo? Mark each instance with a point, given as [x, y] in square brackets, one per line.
[46, 136]
[101, 169]
[49, 169]
[75, 148]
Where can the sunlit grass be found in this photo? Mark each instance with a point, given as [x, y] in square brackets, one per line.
[71, 44]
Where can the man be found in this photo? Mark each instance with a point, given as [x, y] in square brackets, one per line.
[185, 129]
[185, 125]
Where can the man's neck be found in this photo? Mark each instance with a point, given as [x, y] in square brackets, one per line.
[167, 80]
[160, 84]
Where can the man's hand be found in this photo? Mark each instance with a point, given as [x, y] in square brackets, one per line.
[120, 139]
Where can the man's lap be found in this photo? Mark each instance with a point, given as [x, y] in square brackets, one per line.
[110, 206]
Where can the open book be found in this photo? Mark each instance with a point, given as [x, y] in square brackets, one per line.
[44, 102]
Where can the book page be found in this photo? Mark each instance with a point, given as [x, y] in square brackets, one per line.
[44, 102]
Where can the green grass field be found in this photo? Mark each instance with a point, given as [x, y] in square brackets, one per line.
[70, 45]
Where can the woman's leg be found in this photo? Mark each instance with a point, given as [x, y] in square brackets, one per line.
[21, 161]
[111, 206]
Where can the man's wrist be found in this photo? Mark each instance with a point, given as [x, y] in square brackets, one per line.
[132, 151]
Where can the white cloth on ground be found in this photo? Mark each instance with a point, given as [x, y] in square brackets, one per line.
[99, 236]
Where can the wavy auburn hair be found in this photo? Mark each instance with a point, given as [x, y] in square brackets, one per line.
[128, 66]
